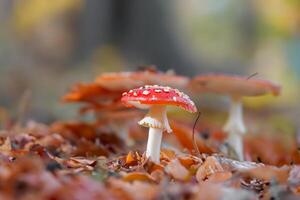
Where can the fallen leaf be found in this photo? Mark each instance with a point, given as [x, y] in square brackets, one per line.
[269, 173]
[219, 177]
[6, 145]
[84, 161]
[208, 168]
[136, 190]
[138, 176]
[130, 158]
[177, 170]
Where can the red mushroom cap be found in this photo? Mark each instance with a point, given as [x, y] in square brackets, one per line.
[158, 95]
[233, 85]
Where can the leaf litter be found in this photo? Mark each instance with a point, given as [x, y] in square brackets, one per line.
[94, 160]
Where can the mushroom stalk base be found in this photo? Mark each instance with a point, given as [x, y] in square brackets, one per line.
[153, 145]
[235, 142]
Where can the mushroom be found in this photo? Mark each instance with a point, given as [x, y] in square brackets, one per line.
[235, 87]
[156, 98]
[120, 122]
[103, 95]
[90, 93]
[116, 81]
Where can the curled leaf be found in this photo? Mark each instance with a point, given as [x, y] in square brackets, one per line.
[131, 158]
[208, 168]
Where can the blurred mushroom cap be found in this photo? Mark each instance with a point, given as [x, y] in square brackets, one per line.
[233, 85]
[127, 80]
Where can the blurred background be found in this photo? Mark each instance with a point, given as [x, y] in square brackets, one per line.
[46, 46]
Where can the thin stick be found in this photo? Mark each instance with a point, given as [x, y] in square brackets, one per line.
[23, 107]
[193, 136]
[252, 75]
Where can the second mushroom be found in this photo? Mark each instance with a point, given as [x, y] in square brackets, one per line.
[235, 87]
[156, 98]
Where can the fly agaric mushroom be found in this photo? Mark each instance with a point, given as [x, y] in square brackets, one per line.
[116, 81]
[156, 98]
[235, 87]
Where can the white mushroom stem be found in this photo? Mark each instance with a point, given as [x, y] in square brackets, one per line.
[235, 142]
[157, 121]
[235, 122]
[153, 144]
[235, 127]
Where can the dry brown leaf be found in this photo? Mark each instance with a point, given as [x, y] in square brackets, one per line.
[208, 168]
[82, 187]
[157, 175]
[136, 190]
[84, 161]
[167, 154]
[268, 173]
[219, 177]
[75, 129]
[6, 145]
[138, 176]
[274, 151]
[294, 178]
[131, 158]
[188, 160]
[176, 170]
[183, 133]
[208, 191]
[151, 166]
[92, 93]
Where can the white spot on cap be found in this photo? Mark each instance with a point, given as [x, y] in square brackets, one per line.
[178, 92]
[174, 98]
[124, 93]
[157, 90]
[166, 90]
[130, 91]
[135, 94]
[146, 92]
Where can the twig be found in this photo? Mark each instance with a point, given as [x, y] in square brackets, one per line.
[252, 75]
[238, 165]
[193, 135]
[23, 107]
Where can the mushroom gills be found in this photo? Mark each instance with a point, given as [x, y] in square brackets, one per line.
[156, 118]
